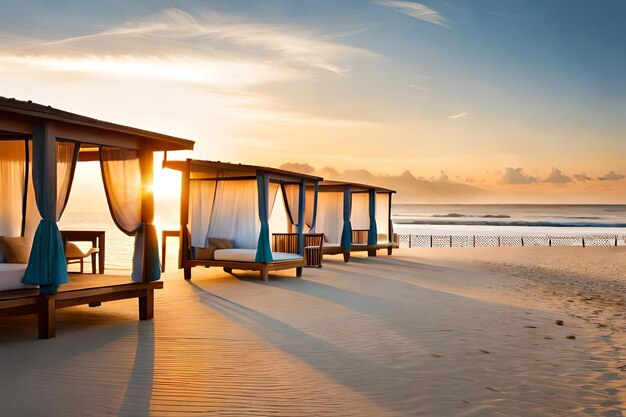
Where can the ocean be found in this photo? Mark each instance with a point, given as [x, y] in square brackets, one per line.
[508, 219]
[419, 219]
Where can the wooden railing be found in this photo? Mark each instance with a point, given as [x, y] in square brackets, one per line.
[285, 242]
[434, 241]
[359, 236]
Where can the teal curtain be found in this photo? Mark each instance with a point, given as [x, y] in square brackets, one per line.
[346, 232]
[302, 205]
[146, 262]
[372, 236]
[263, 249]
[314, 220]
[47, 266]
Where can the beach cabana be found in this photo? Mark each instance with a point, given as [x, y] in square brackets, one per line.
[225, 211]
[354, 217]
[39, 149]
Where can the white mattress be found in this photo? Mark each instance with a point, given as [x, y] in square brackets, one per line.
[11, 277]
[331, 245]
[248, 255]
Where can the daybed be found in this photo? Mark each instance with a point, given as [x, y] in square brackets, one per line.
[39, 149]
[225, 211]
[354, 217]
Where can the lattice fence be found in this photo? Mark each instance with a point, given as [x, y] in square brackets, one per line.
[440, 241]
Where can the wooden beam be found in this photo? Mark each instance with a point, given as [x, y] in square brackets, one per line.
[15, 123]
[96, 136]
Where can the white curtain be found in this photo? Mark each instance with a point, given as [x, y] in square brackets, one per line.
[291, 195]
[121, 174]
[226, 209]
[235, 213]
[272, 196]
[330, 215]
[360, 217]
[12, 185]
[201, 198]
[308, 211]
[382, 217]
[67, 153]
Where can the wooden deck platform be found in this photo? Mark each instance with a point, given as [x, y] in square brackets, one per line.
[264, 268]
[82, 289]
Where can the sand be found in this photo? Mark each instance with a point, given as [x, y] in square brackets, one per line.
[427, 332]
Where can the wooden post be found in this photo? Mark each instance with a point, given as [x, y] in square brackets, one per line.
[46, 316]
[522, 238]
[146, 305]
[183, 252]
[298, 271]
[451, 241]
[301, 213]
[390, 232]
[146, 163]
[498, 241]
[583, 239]
[474, 241]
[264, 273]
[431, 241]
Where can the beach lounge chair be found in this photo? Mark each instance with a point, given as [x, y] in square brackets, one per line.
[73, 255]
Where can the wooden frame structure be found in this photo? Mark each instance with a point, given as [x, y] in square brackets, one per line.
[20, 120]
[197, 170]
[359, 237]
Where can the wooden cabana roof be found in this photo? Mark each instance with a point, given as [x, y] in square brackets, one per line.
[199, 169]
[356, 187]
[18, 118]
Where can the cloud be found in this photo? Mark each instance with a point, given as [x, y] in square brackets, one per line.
[458, 116]
[175, 32]
[611, 176]
[582, 177]
[298, 167]
[417, 10]
[416, 87]
[329, 173]
[557, 177]
[516, 176]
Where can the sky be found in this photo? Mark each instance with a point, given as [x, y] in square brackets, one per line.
[487, 100]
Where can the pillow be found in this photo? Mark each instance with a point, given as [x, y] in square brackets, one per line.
[220, 243]
[16, 249]
[203, 254]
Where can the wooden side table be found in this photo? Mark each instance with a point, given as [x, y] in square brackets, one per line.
[313, 244]
[164, 235]
[96, 237]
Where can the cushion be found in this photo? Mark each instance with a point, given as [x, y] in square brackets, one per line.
[204, 254]
[249, 255]
[11, 277]
[16, 249]
[220, 243]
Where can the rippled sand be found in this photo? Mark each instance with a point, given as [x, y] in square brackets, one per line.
[425, 332]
